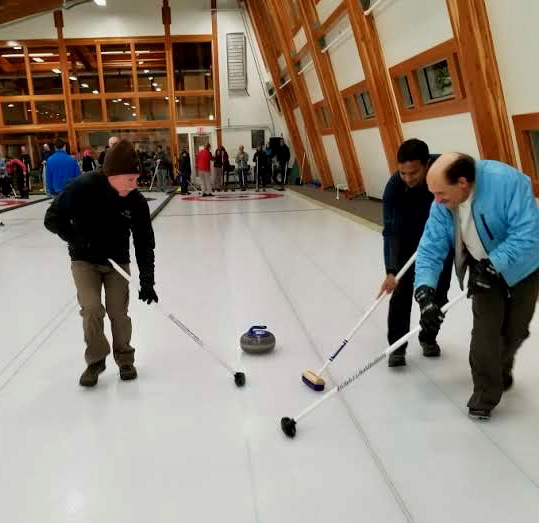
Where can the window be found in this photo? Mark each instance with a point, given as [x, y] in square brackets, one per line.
[363, 101]
[435, 82]
[192, 66]
[12, 72]
[527, 133]
[258, 137]
[121, 110]
[51, 112]
[45, 68]
[429, 85]
[87, 111]
[151, 67]
[16, 113]
[194, 108]
[117, 68]
[359, 107]
[154, 109]
[83, 70]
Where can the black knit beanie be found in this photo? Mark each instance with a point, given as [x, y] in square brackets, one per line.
[121, 159]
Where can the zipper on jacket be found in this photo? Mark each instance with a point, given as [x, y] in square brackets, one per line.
[486, 227]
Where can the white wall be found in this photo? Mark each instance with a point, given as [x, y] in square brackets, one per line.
[308, 149]
[345, 56]
[313, 85]
[445, 134]
[516, 41]
[372, 159]
[407, 27]
[38, 27]
[334, 159]
[325, 8]
[300, 39]
[250, 109]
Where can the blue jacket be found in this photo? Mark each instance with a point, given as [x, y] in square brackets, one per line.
[61, 169]
[507, 220]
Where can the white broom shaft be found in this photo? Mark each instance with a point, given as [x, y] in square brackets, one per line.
[381, 356]
[371, 309]
[176, 322]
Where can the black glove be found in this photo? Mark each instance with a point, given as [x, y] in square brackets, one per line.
[483, 276]
[147, 294]
[431, 315]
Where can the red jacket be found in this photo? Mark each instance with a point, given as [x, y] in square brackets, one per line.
[13, 164]
[204, 159]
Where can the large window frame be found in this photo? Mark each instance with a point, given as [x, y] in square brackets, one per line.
[359, 117]
[406, 76]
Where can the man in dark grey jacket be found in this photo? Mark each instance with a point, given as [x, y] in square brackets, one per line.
[96, 215]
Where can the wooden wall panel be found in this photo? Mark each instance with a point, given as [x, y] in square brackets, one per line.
[332, 95]
[378, 82]
[286, 44]
[471, 28]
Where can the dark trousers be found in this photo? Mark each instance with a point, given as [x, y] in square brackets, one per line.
[242, 176]
[400, 306]
[185, 178]
[89, 280]
[501, 318]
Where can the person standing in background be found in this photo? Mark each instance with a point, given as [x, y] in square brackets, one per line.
[61, 169]
[204, 159]
[185, 170]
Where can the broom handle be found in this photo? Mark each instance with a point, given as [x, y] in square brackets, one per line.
[371, 309]
[174, 320]
[376, 360]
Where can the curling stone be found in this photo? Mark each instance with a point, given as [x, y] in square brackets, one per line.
[257, 340]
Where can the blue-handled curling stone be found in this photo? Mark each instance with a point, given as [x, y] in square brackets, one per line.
[257, 340]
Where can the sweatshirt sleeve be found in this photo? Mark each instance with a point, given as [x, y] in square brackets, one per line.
[389, 244]
[144, 241]
[58, 218]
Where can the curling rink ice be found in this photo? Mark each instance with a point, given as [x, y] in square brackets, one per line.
[183, 444]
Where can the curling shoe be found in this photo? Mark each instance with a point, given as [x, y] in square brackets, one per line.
[128, 372]
[430, 350]
[479, 414]
[396, 359]
[90, 376]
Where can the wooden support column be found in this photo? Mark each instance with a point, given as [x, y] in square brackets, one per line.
[134, 71]
[215, 71]
[269, 55]
[332, 94]
[101, 74]
[378, 82]
[170, 83]
[477, 56]
[64, 66]
[312, 126]
[30, 81]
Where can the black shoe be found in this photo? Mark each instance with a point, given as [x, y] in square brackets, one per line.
[430, 350]
[128, 372]
[479, 414]
[211, 194]
[507, 381]
[90, 376]
[396, 360]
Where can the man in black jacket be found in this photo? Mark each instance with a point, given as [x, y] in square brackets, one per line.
[96, 214]
[283, 157]
[407, 202]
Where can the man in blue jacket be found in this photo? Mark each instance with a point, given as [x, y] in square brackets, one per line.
[61, 169]
[486, 210]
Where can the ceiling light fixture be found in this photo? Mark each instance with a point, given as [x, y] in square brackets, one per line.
[158, 89]
[95, 91]
[73, 78]
[100, 3]
[57, 71]
[85, 86]
[146, 71]
[38, 59]
[11, 105]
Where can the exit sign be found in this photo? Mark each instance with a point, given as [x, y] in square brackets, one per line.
[201, 130]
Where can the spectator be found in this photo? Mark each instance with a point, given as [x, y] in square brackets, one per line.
[242, 166]
[204, 159]
[61, 169]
